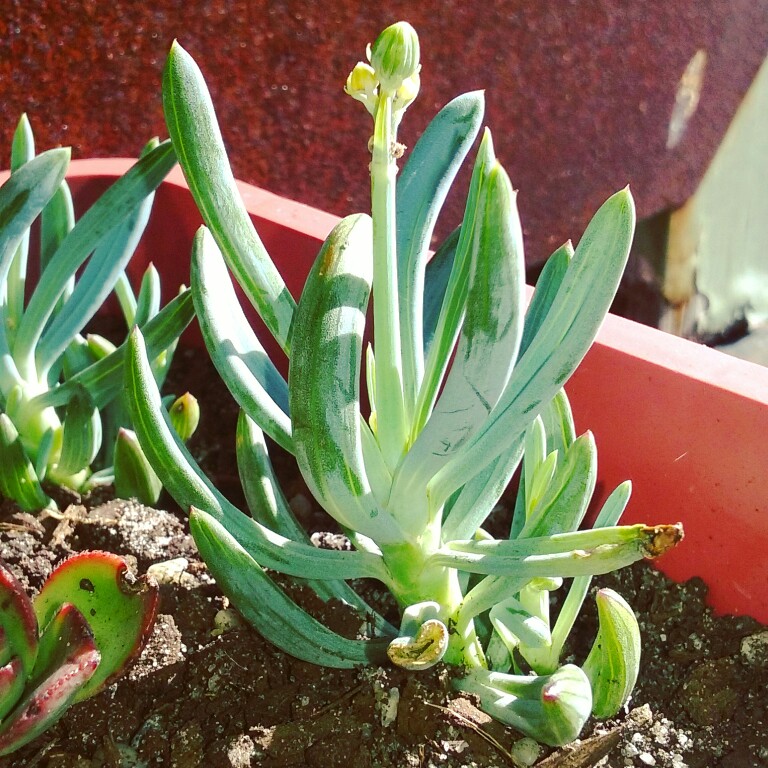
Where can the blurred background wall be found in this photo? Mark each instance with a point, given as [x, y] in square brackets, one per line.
[580, 95]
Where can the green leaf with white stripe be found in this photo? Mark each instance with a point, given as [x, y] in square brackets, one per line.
[269, 506]
[324, 381]
[94, 285]
[23, 196]
[183, 479]
[470, 508]
[81, 439]
[487, 348]
[56, 222]
[563, 339]
[422, 186]
[22, 151]
[134, 476]
[579, 553]
[562, 505]
[269, 610]
[104, 378]
[18, 480]
[99, 220]
[235, 350]
[195, 133]
[455, 297]
[547, 286]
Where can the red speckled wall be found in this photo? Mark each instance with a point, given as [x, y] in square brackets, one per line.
[579, 93]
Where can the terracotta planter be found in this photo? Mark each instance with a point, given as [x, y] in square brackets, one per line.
[688, 425]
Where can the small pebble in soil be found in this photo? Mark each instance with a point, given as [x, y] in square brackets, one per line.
[525, 751]
[754, 649]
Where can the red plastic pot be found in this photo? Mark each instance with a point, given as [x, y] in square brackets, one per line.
[688, 425]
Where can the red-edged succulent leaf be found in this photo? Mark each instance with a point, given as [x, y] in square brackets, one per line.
[119, 609]
[11, 684]
[67, 659]
[18, 638]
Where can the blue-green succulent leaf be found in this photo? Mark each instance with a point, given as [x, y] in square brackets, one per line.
[197, 139]
[183, 479]
[235, 350]
[94, 285]
[562, 341]
[81, 438]
[18, 480]
[324, 381]
[269, 609]
[104, 378]
[422, 186]
[97, 222]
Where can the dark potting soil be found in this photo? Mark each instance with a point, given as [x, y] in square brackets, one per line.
[208, 691]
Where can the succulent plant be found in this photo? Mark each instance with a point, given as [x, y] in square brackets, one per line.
[60, 392]
[463, 383]
[84, 628]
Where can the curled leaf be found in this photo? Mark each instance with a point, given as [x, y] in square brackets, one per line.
[614, 661]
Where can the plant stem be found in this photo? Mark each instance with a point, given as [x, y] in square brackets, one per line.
[390, 408]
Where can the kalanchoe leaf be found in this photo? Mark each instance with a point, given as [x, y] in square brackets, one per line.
[18, 638]
[614, 661]
[120, 610]
[12, 680]
[68, 659]
[18, 479]
[134, 476]
[550, 708]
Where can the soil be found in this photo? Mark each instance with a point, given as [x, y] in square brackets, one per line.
[208, 691]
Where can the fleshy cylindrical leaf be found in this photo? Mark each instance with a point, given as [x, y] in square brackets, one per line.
[614, 661]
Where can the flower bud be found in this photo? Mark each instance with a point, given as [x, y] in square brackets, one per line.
[395, 56]
[362, 82]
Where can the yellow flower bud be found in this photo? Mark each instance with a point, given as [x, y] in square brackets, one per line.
[362, 85]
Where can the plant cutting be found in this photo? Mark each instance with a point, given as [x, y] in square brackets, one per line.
[61, 406]
[83, 629]
[463, 384]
